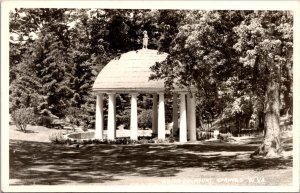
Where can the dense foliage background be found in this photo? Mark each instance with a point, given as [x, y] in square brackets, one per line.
[239, 61]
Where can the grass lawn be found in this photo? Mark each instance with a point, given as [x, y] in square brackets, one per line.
[206, 163]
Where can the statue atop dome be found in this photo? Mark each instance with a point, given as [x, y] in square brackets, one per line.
[145, 40]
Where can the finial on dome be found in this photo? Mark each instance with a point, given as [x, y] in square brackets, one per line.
[145, 40]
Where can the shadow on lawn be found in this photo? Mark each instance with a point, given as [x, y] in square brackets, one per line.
[50, 164]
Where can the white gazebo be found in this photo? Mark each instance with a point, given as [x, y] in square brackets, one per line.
[130, 75]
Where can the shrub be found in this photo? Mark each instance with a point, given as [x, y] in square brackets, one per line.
[22, 117]
[168, 140]
[171, 139]
[225, 136]
[143, 141]
[145, 119]
[132, 141]
[159, 140]
[111, 141]
[123, 140]
[89, 141]
[84, 126]
[57, 137]
[69, 141]
[123, 118]
[44, 121]
[203, 135]
[99, 141]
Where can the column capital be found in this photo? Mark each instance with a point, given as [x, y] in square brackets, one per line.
[98, 93]
[134, 93]
[161, 93]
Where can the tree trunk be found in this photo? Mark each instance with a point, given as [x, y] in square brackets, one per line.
[271, 146]
[261, 118]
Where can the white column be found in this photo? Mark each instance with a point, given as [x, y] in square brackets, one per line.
[133, 117]
[161, 117]
[154, 115]
[192, 117]
[99, 117]
[183, 132]
[175, 114]
[111, 124]
[188, 114]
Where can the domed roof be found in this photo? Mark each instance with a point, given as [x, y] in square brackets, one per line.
[130, 72]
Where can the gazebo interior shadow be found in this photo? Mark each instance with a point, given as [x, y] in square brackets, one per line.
[50, 164]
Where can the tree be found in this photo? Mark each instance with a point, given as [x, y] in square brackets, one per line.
[265, 39]
[23, 84]
[43, 62]
[22, 117]
[202, 55]
[54, 72]
[168, 23]
[242, 59]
